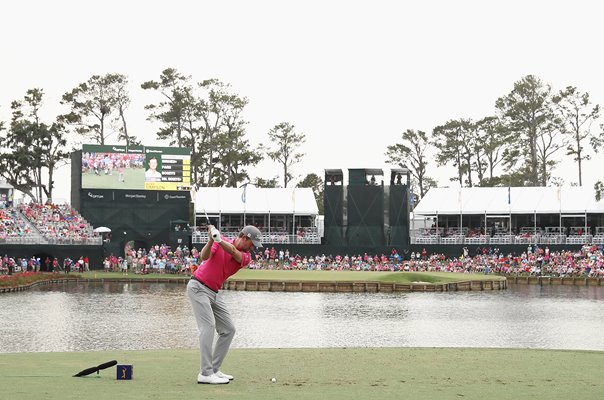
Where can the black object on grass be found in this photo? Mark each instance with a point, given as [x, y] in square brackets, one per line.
[96, 369]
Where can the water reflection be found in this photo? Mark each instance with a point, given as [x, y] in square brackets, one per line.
[82, 317]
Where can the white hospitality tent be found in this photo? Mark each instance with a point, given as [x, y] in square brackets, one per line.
[249, 200]
[503, 202]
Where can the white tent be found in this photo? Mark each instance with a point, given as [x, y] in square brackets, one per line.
[253, 200]
[513, 200]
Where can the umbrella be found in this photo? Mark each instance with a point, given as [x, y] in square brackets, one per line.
[102, 229]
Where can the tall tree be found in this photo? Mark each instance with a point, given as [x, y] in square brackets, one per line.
[92, 104]
[119, 87]
[35, 148]
[175, 90]
[491, 139]
[180, 114]
[227, 153]
[286, 144]
[448, 140]
[314, 182]
[16, 159]
[527, 112]
[548, 144]
[205, 117]
[577, 116]
[411, 154]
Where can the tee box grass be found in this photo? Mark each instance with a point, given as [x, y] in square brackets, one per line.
[324, 373]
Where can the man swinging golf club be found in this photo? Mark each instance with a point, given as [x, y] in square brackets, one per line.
[221, 259]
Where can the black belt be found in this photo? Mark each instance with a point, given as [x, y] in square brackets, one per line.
[195, 279]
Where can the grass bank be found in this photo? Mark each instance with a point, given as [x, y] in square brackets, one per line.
[359, 373]
[341, 276]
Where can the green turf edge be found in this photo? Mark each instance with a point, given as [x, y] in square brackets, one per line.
[296, 275]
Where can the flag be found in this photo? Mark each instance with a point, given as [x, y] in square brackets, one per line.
[243, 194]
[509, 195]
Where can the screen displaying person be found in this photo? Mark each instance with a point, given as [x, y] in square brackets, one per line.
[152, 174]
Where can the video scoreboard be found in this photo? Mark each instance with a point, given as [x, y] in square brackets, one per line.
[136, 167]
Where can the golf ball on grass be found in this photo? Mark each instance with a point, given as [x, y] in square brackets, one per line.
[274, 380]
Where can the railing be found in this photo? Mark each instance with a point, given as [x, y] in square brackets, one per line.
[89, 241]
[199, 237]
[509, 239]
[20, 240]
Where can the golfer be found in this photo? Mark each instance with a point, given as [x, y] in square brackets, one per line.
[152, 174]
[221, 258]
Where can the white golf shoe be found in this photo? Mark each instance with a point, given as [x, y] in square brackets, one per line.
[223, 375]
[213, 379]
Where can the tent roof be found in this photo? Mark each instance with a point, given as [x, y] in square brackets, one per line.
[6, 185]
[522, 200]
[220, 200]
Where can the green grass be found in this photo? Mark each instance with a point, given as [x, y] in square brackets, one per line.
[341, 276]
[134, 178]
[367, 373]
[369, 276]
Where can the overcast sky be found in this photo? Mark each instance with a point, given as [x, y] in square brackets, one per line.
[350, 75]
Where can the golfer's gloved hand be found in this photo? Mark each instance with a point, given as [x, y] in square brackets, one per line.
[216, 235]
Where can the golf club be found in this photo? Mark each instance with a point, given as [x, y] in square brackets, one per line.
[207, 218]
[215, 232]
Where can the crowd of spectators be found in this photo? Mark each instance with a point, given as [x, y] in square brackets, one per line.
[12, 226]
[10, 265]
[158, 259]
[105, 163]
[536, 261]
[59, 224]
[539, 261]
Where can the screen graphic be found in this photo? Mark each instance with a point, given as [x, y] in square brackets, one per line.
[136, 167]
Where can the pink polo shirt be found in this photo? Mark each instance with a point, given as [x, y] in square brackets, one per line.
[216, 269]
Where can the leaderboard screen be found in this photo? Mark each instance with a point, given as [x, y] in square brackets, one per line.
[136, 167]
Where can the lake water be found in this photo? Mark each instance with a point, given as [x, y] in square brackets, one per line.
[114, 316]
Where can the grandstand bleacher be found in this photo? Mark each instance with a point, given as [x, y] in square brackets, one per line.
[34, 223]
[526, 235]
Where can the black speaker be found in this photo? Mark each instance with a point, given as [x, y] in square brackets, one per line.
[333, 202]
[399, 215]
[365, 209]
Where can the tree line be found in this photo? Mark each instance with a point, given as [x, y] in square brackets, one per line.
[531, 129]
[204, 116]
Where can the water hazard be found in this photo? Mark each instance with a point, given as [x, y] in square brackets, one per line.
[114, 316]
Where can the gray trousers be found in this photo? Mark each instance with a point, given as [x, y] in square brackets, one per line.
[212, 316]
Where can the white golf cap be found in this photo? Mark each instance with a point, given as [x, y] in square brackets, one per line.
[254, 234]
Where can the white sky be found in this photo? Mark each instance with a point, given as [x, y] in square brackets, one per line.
[351, 75]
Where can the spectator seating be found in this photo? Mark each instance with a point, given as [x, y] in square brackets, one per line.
[60, 224]
[307, 235]
[502, 235]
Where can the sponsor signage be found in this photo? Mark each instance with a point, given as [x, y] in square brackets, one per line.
[132, 195]
[97, 195]
[175, 197]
